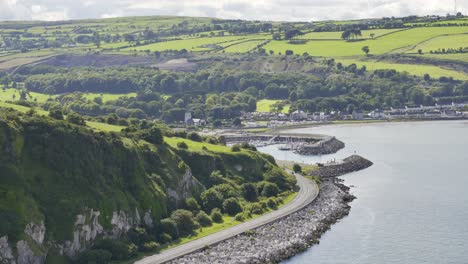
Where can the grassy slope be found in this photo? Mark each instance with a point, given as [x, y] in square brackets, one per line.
[264, 106]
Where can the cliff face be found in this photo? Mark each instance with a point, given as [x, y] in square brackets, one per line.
[62, 186]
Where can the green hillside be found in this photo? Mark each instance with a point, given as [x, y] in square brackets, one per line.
[54, 171]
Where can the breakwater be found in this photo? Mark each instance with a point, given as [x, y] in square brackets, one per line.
[301, 144]
[350, 164]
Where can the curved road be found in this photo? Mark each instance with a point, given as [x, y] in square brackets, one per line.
[307, 193]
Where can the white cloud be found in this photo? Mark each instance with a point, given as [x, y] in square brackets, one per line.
[285, 10]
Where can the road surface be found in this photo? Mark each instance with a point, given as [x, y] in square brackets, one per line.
[307, 193]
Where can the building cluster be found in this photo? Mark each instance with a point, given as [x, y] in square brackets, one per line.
[452, 111]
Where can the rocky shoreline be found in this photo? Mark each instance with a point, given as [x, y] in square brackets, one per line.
[350, 164]
[284, 238]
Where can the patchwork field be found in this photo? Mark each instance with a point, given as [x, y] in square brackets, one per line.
[366, 34]
[442, 42]
[414, 69]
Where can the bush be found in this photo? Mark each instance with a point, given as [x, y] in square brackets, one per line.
[194, 137]
[226, 190]
[256, 208]
[56, 113]
[249, 192]
[97, 256]
[153, 135]
[270, 190]
[76, 119]
[182, 145]
[297, 168]
[169, 226]
[192, 205]
[150, 246]
[118, 249]
[216, 215]
[272, 203]
[235, 148]
[184, 221]
[231, 206]
[203, 219]
[165, 238]
[211, 199]
[239, 217]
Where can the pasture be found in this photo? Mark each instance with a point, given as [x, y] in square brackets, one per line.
[397, 42]
[414, 69]
[264, 106]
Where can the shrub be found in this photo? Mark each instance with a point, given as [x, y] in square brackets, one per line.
[97, 256]
[169, 226]
[272, 203]
[239, 217]
[153, 135]
[75, 118]
[184, 221]
[211, 199]
[182, 145]
[216, 215]
[56, 113]
[118, 249]
[255, 208]
[203, 219]
[226, 190]
[297, 168]
[194, 137]
[192, 205]
[235, 148]
[231, 206]
[150, 246]
[165, 238]
[249, 192]
[270, 190]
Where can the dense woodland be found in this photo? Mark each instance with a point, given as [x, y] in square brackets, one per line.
[218, 94]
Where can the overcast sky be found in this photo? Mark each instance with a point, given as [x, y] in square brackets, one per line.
[284, 10]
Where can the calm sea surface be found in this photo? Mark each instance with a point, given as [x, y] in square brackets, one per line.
[411, 206]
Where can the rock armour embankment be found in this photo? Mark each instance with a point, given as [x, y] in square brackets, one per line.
[350, 164]
[284, 238]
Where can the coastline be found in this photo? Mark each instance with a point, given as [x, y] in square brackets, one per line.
[284, 238]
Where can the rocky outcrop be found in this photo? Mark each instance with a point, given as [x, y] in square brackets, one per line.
[26, 255]
[6, 253]
[350, 164]
[184, 189]
[328, 145]
[36, 231]
[284, 238]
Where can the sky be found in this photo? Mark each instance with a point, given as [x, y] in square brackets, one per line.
[273, 10]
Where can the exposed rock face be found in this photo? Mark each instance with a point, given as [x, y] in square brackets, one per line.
[328, 145]
[349, 164]
[6, 253]
[184, 188]
[36, 232]
[26, 255]
[284, 238]
[87, 228]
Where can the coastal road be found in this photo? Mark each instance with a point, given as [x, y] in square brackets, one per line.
[307, 193]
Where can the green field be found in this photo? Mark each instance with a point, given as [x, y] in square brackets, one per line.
[197, 146]
[244, 47]
[366, 34]
[415, 69]
[8, 94]
[107, 97]
[264, 106]
[396, 42]
[442, 42]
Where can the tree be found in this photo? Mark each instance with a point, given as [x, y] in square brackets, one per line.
[290, 34]
[203, 219]
[154, 135]
[76, 119]
[297, 168]
[184, 221]
[232, 206]
[420, 52]
[216, 215]
[270, 190]
[289, 52]
[236, 122]
[211, 199]
[56, 113]
[249, 192]
[427, 77]
[192, 205]
[169, 226]
[182, 145]
[366, 50]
